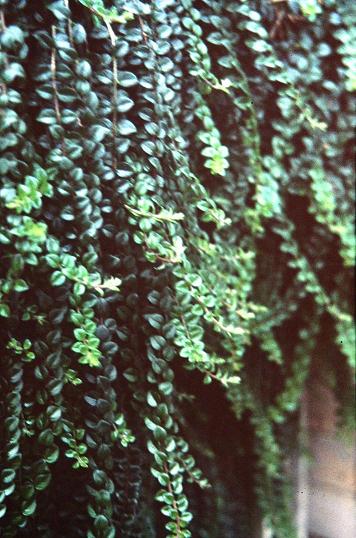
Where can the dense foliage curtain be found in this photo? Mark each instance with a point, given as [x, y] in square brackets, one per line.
[176, 250]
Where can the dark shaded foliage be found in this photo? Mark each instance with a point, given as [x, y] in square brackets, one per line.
[177, 244]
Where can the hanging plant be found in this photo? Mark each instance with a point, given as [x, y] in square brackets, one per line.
[176, 233]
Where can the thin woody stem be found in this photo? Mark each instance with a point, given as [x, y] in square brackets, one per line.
[3, 86]
[113, 38]
[170, 489]
[53, 77]
[70, 31]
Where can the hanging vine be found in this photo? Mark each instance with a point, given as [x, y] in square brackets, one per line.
[177, 246]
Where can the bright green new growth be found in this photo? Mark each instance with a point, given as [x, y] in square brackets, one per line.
[176, 254]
